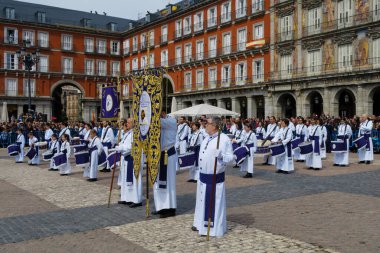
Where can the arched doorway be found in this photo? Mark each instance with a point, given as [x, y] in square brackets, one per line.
[66, 102]
[167, 94]
[243, 107]
[347, 106]
[287, 105]
[376, 101]
[260, 107]
[316, 103]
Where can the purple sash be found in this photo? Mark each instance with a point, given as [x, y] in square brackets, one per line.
[162, 179]
[208, 180]
[196, 150]
[249, 146]
[288, 147]
[301, 136]
[366, 137]
[315, 139]
[107, 145]
[129, 160]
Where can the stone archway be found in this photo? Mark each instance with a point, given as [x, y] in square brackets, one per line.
[286, 105]
[346, 101]
[374, 97]
[314, 103]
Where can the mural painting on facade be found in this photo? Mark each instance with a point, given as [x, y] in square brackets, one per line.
[361, 10]
[361, 47]
[328, 55]
[329, 14]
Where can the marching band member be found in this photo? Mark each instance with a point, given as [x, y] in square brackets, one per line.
[314, 160]
[302, 133]
[32, 142]
[284, 163]
[164, 189]
[195, 143]
[82, 130]
[131, 188]
[260, 131]
[107, 139]
[65, 170]
[48, 133]
[64, 130]
[271, 132]
[202, 129]
[324, 138]
[233, 126]
[182, 135]
[95, 149]
[21, 142]
[344, 134]
[250, 142]
[86, 136]
[365, 129]
[54, 147]
[207, 155]
[239, 133]
[292, 127]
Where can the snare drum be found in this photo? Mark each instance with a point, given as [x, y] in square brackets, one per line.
[186, 160]
[47, 156]
[338, 146]
[306, 148]
[80, 148]
[41, 144]
[75, 141]
[295, 143]
[241, 154]
[32, 152]
[82, 159]
[360, 142]
[111, 159]
[14, 150]
[59, 160]
[277, 149]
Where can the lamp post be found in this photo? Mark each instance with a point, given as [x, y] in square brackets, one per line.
[28, 60]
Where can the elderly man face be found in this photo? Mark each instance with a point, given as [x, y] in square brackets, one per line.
[129, 124]
[363, 118]
[211, 127]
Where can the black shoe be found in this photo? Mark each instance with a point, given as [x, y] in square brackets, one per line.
[155, 212]
[133, 205]
[368, 162]
[310, 168]
[336, 164]
[105, 170]
[19, 162]
[236, 166]
[122, 202]
[167, 214]
[195, 181]
[265, 164]
[194, 228]
[51, 169]
[317, 168]
[64, 174]
[285, 172]
[361, 162]
[342, 165]
[278, 171]
[302, 161]
[128, 203]
[92, 179]
[190, 181]
[248, 175]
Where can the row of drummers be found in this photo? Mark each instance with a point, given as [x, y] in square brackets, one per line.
[279, 143]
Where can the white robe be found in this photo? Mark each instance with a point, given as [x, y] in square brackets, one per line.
[206, 166]
[36, 159]
[107, 136]
[65, 130]
[342, 158]
[166, 198]
[92, 170]
[366, 128]
[301, 129]
[260, 131]
[314, 160]
[82, 131]
[66, 169]
[48, 134]
[284, 162]
[182, 138]
[54, 144]
[195, 140]
[248, 164]
[20, 156]
[271, 132]
[324, 138]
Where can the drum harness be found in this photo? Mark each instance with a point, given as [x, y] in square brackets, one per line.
[267, 138]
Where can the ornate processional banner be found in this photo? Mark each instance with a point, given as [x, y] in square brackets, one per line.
[147, 99]
[110, 103]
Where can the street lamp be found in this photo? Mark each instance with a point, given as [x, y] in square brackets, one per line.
[28, 60]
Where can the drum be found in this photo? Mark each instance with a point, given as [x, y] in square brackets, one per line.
[59, 160]
[231, 136]
[41, 144]
[338, 146]
[13, 150]
[102, 160]
[80, 148]
[186, 160]
[111, 159]
[241, 154]
[360, 142]
[82, 159]
[235, 146]
[277, 150]
[262, 148]
[47, 156]
[32, 152]
[295, 143]
[306, 148]
[75, 141]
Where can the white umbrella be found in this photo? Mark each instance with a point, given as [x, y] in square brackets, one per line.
[174, 105]
[204, 109]
[4, 114]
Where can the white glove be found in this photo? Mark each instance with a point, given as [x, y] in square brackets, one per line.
[218, 153]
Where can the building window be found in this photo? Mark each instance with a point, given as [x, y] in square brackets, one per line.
[151, 38]
[151, 60]
[314, 62]
[43, 39]
[227, 43]
[376, 52]
[127, 67]
[178, 55]
[67, 66]
[41, 17]
[226, 75]
[11, 87]
[115, 47]
[28, 36]
[200, 50]
[198, 21]
[43, 64]
[126, 46]
[314, 21]
[115, 68]
[211, 17]
[102, 68]
[258, 70]
[143, 61]
[67, 42]
[257, 5]
[113, 27]
[188, 53]
[188, 82]
[135, 44]
[241, 8]
[178, 28]
[126, 90]
[89, 45]
[89, 67]
[32, 87]
[226, 12]
[286, 66]
[242, 39]
[164, 34]
[164, 58]
[258, 31]
[212, 47]
[187, 26]
[200, 79]
[102, 48]
[286, 28]
[10, 13]
[143, 44]
[376, 10]
[11, 61]
[344, 13]
[11, 35]
[135, 64]
[241, 73]
[345, 57]
[212, 77]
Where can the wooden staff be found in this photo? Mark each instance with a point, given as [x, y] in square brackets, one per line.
[213, 190]
[147, 192]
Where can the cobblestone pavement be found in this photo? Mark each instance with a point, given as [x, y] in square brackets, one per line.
[307, 211]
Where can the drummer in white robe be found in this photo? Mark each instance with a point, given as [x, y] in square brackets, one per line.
[107, 138]
[82, 130]
[21, 142]
[164, 189]
[250, 142]
[314, 160]
[48, 133]
[64, 130]
[260, 131]
[182, 135]
[324, 138]
[344, 134]
[365, 129]
[96, 145]
[65, 170]
[131, 187]
[54, 147]
[225, 157]
[271, 132]
[284, 163]
[194, 146]
[32, 141]
[302, 133]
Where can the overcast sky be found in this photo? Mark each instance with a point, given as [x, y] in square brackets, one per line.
[119, 8]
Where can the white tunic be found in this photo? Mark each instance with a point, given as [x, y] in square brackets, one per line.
[284, 162]
[107, 136]
[92, 170]
[182, 138]
[82, 131]
[66, 169]
[195, 140]
[314, 159]
[341, 158]
[364, 154]
[301, 129]
[323, 143]
[64, 131]
[206, 166]
[166, 198]
[48, 134]
[20, 156]
[260, 131]
[248, 164]
[36, 159]
[271, 132]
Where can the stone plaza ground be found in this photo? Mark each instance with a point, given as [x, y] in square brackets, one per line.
[332, 210]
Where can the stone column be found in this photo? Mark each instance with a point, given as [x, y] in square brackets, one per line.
[179, 105]
[268, 105]
[20, 109]
[329, 105]
[250, 111]
[300, 109]
[361, 102]
[221, 103]
[47, 111]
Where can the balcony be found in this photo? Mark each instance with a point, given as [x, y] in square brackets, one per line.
[178, 34]
[285, 36]
[212, 23]
[186, 30]
[257, 7]
[241, 13]
[198, 27]
[225, 18]
[163, 39]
